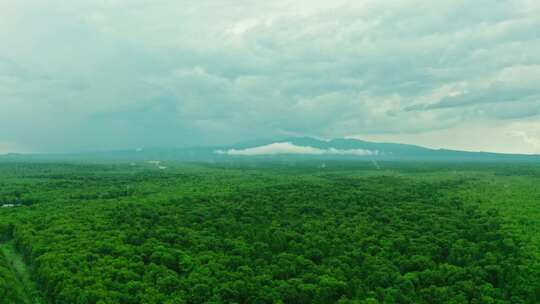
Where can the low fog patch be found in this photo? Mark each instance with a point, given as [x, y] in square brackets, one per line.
[289, 148]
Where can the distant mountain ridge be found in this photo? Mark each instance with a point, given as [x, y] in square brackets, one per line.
[395, 151]
[288, 148]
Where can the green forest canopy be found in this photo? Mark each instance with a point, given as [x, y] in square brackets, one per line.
[273, 233]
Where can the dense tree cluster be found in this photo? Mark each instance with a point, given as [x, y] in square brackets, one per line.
[239, 235]
[10, 291]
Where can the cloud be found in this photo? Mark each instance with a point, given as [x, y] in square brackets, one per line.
[7, 147]
[505, 136]
[510, 85]
[527, 138]
[528, 132]
[120, 74]
[289, 148]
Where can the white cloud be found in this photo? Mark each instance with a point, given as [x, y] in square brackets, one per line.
[289, 148]
[528, 132]
[527, 138]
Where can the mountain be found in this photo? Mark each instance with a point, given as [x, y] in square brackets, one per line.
[289, 148]
[352, 148]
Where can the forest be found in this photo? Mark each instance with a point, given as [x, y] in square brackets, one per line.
[269, 232]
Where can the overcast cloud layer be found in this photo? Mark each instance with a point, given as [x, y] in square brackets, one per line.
[87, 75]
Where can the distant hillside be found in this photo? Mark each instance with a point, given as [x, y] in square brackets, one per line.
[296, 148]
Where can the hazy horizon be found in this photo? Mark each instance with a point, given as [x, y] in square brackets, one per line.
[264, 147]
[108, 75]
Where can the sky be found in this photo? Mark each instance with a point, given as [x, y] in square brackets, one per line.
[97, 75]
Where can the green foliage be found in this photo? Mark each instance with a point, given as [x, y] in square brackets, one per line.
[10, 291]
[263, 233]
[15, 283]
